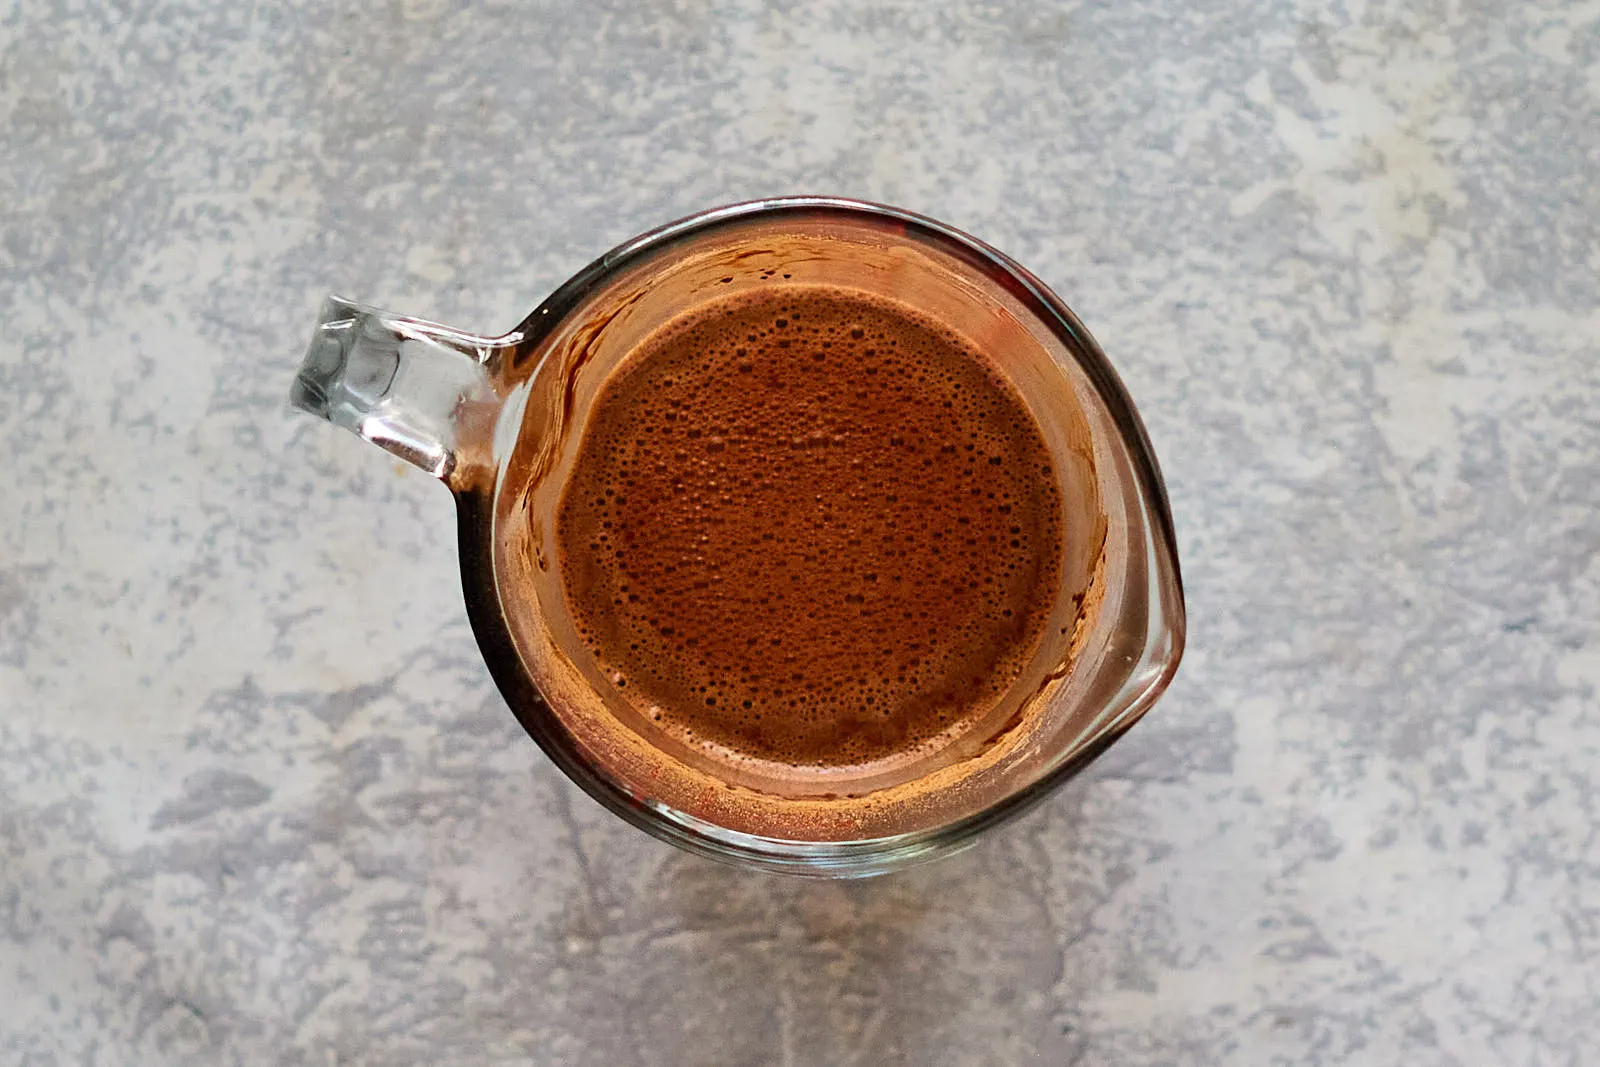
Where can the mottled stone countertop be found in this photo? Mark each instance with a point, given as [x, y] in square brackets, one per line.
[261, 804]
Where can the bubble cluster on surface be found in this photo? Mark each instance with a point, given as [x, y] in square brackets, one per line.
[812, 527]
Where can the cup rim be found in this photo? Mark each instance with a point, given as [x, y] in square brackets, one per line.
[855, 858]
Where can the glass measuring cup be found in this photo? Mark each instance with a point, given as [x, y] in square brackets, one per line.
[498, 420]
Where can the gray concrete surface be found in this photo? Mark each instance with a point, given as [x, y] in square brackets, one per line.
[259, 803]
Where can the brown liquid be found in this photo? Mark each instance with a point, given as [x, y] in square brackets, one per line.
[812, 527]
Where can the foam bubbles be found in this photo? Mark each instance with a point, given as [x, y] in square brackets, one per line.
[812, 527]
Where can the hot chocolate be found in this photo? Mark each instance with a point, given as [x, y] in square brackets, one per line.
[811, 527]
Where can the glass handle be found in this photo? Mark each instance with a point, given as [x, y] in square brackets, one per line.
[416, 389]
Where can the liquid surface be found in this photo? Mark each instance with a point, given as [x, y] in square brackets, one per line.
[811, 527]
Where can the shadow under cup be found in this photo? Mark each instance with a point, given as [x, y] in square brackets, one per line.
[1065, 699]
[503, 428]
